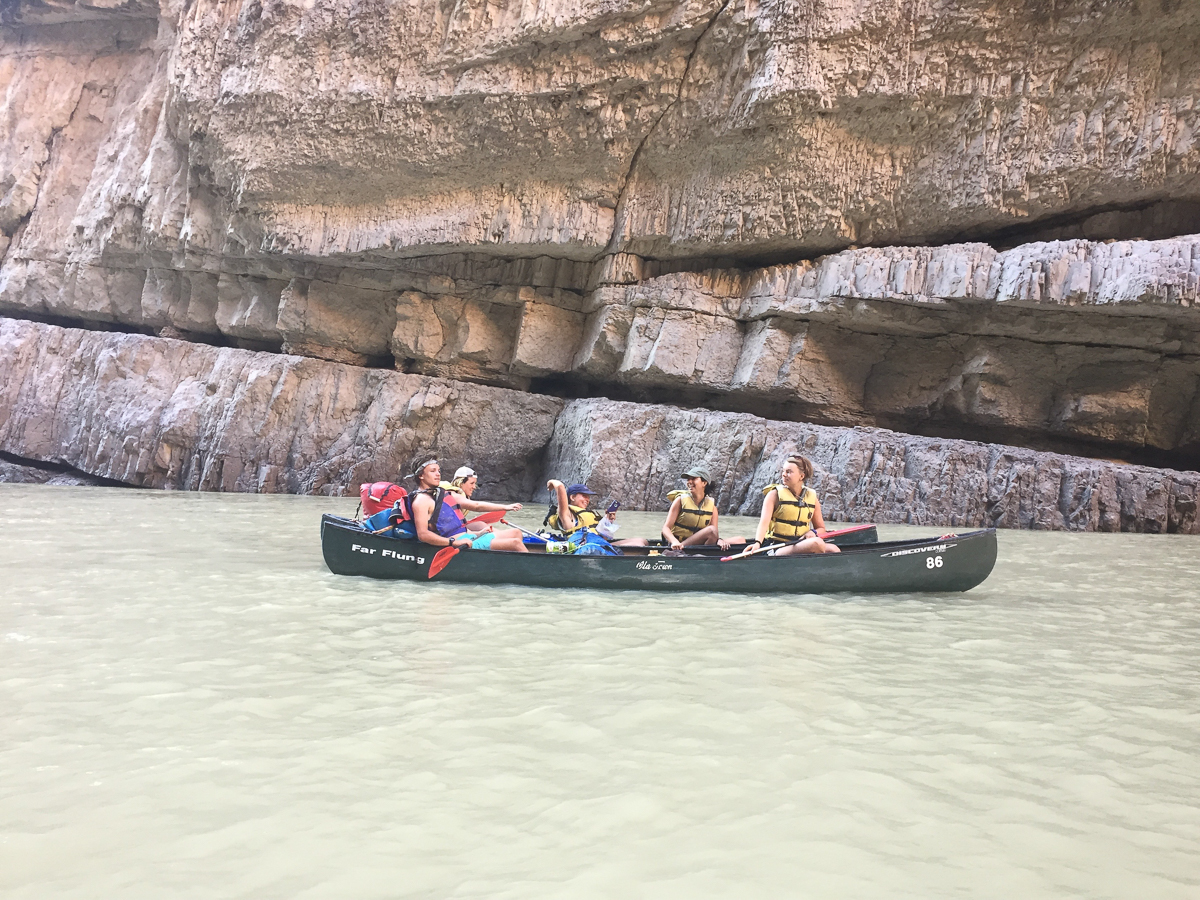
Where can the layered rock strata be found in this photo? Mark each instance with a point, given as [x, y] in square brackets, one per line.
[665, 201]
[163, 413]
[636, 451]
[1076, 345]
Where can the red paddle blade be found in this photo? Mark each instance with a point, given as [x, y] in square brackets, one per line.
[440, 559]
[490, 518]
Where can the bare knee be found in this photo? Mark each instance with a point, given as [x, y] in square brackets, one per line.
[706, 535]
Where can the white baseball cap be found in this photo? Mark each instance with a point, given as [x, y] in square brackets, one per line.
[464, 472]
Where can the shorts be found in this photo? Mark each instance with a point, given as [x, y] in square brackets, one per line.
[481, 541]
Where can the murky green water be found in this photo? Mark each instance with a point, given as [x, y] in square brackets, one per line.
[192, 706]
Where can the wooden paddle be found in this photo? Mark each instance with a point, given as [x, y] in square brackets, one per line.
[807, 536]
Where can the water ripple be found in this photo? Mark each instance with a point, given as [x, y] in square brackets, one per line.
[194, 706]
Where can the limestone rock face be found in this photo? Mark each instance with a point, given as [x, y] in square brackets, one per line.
[163, 413]
[636, 452]
[665, 200]
[256, 138]
[172, 414]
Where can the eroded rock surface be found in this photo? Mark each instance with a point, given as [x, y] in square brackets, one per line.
[633, 199]
[637, 452]
[171, 414]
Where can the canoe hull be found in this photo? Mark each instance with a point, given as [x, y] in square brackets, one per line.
[956, 563]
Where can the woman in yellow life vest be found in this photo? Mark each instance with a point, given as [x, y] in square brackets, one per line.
[692, 518]
[792, 511]
[571, 511]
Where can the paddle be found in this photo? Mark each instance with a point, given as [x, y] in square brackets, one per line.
[489, 518]
[542, 538]
[807, 536]
[441, 558]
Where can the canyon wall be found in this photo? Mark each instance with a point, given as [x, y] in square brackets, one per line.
[955, 221]
[156, 412]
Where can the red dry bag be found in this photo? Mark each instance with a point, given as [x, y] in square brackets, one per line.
[380, 496]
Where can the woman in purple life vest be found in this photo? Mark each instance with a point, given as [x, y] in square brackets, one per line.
[438, 522]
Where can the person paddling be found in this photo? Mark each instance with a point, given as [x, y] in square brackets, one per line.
[569, 511]
[464, 483]
[438, 522]
[692, 518]
[792, 511]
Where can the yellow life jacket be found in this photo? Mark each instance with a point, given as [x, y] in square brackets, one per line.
[793, 514]
[448, 486]
[584, 518]
[691, 517]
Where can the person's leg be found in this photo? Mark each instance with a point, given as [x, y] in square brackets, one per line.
[631, 542]
[811, 544]
[706, 535]
[510, 539]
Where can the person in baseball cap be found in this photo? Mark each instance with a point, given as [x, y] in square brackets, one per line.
[692, 517]
[569, 511]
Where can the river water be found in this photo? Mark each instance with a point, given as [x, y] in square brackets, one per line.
[191, 705]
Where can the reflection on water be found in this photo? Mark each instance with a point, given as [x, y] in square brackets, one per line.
[193, 706]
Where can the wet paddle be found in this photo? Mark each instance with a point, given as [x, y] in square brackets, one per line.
[807, 536]
[441, 558]
[489, 518]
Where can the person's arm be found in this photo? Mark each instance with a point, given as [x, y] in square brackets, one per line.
[818, 521]
[724, 545]
[672, 514]
[486, 506]
[566, 519]
[764, 521]
[422, 509]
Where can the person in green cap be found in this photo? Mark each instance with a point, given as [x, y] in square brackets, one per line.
[692, 518]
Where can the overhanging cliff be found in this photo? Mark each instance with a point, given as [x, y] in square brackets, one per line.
[962, 221]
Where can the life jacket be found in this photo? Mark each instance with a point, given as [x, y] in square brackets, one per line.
[793, 514]
[691, 517]
[447, 486]
[379, 496]
[396, 521]
[445, 519]
[584, 518]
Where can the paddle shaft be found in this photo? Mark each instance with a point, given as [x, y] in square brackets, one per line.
[544, 540]
[808, 535]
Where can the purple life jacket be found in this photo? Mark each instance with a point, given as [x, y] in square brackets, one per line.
[445, 519]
